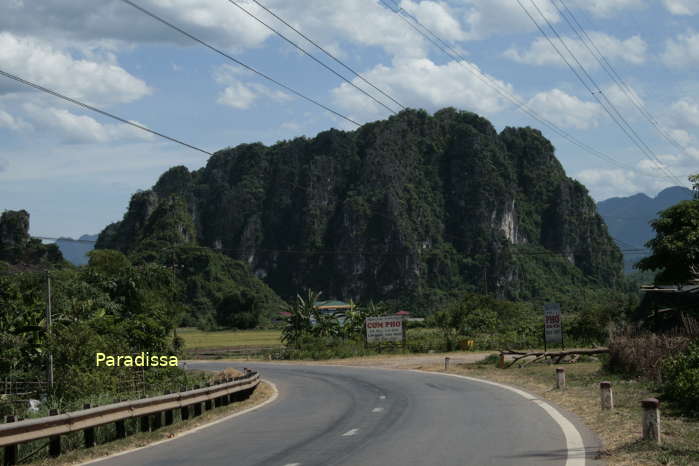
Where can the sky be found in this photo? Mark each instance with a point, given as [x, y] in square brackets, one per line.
[74, 170]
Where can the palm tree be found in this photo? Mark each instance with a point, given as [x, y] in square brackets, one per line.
[299, 322]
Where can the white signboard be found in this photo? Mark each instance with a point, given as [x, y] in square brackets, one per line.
[389, 328]
[552, 323]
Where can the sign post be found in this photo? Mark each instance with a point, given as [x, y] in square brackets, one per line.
[552, 324]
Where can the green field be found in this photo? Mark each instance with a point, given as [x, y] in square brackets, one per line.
[194, 338]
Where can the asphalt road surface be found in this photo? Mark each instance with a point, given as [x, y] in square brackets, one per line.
[330, 415]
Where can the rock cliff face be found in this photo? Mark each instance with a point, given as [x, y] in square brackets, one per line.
[402, 207]
[18, 248]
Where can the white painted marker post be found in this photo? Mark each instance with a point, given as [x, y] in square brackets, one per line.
[651, 420]
[606, 395]
[560, 378]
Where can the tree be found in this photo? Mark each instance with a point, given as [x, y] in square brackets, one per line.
[676, 243]
[238, 310]
[299, 322]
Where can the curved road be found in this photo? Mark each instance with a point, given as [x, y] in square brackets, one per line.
[334, 415]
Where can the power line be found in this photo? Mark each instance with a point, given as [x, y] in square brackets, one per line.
[101, 112]
[235, 60]
[433, 38]
[347, 67]
[313, 57]
[597, 92]
[611, 71]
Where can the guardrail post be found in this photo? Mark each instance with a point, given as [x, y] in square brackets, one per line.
[145, 423]
[120, 426]
[54, 440]
[560, 378]
[197, 406]
[207, 403]
[446, 364]
[651, 420]
[168, 414]
[89, 433]
[606, 395]
[157, 421]
[184, 413]
[10, 456]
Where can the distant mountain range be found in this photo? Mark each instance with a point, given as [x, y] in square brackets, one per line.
[75, 251]
[628, 218]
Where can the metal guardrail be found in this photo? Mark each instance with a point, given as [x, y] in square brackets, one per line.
[13, 433]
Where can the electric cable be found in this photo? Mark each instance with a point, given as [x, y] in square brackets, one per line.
[312, 57]
[519, 104]
[597, 92]
[240, 63]
[347, 67]
[101, 112]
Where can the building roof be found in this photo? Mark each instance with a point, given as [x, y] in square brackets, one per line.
[332, 304]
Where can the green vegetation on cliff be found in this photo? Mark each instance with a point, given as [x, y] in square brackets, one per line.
[21, 250]
[414, 209]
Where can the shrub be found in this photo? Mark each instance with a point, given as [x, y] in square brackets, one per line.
[681, 379]
[643, 354]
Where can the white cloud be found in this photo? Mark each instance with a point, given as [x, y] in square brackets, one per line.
[682, 7]
[242, 95]
[685, 113]
[86, 23]
[540, 52]
[682, 51]
[622, 97]
[606, 183]
[607, 8]
[10, 122]
[497, 17]
[290, 125]
[437, 17]
[74, 128]
[78, 22]
[412, 82]
[38, 61]
[566, 110]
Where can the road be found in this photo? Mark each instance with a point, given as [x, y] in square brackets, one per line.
[330, 415]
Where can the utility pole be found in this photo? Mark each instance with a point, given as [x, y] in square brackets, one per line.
[48, 329]
[174, 288]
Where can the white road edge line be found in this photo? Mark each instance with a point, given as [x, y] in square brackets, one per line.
[574, 441]
[382, 397]
[275, 394]
[293, 464]
[350, 432]
[377, 410]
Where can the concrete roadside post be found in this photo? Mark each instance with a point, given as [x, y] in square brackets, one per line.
[651, 420]
[10, 456]
[606, 395]
[89, 433]
[446, 364]
[560, 378]
[54, 440]
[501, 361]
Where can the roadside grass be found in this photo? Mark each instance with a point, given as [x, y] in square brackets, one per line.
[194, 338]
[140, 439]
[620, 429]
